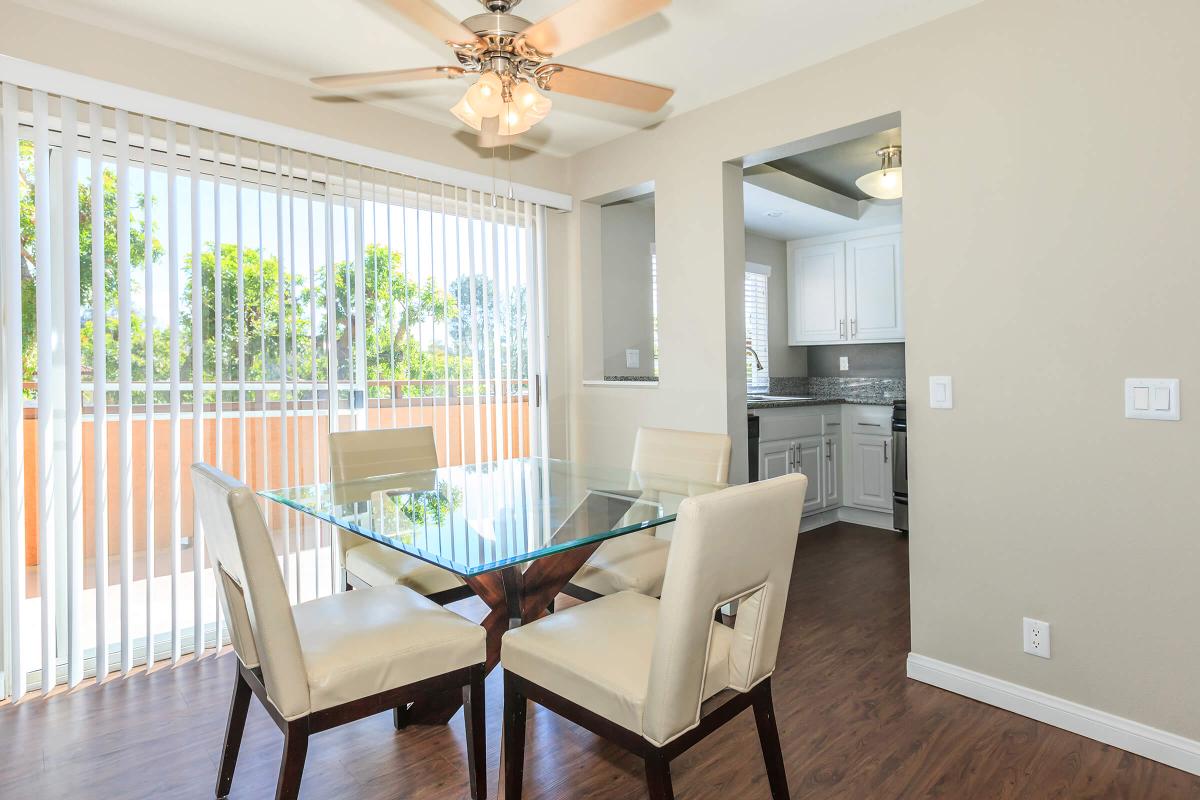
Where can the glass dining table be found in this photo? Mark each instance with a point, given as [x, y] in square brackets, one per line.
[515, 531]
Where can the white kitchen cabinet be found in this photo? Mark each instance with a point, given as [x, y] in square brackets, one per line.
[816, 457]
[871, 471]
[846, 290]
[831, 488]
[774, 459]
[817, 290]
[810, 454]
[875, 288]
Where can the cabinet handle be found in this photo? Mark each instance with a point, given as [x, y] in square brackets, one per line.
[842, 328]
[829, 449]
[885, 444]
[853, 327]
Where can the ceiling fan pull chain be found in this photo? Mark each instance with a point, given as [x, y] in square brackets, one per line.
[511, 194]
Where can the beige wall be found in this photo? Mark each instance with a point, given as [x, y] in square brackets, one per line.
[67, 44]
[1048, 217]
[784, 361]
[626, 239]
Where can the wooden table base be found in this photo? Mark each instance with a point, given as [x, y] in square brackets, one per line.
[516, 595]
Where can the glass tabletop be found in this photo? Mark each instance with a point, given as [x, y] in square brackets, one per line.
[477, 518]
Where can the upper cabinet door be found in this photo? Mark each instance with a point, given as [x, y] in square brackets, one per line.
[875, 288]
[817, 294]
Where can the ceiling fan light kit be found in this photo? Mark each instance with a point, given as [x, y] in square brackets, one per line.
[887, 182]
[512, 57]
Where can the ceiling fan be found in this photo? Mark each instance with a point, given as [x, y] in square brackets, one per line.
[513, 59]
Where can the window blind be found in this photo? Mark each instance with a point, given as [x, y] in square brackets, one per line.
[757, 329]
[170, 294]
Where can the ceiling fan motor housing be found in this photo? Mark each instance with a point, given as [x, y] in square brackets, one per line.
[499, 6]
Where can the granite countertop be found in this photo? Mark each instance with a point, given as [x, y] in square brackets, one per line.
[753, 404]
[822, 391]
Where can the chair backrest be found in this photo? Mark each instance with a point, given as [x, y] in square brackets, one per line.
[356, 455]
[667, 460]
[251, 588]
[735, 544]
[682, 454]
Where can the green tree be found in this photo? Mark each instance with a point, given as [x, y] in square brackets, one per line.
[28, 187]
[483, 324]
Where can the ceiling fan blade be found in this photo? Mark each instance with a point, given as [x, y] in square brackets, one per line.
[387, 76]
[585, 20]
[608, 88]
[434, 19]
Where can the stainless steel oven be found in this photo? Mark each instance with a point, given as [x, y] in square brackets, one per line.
[900, 466]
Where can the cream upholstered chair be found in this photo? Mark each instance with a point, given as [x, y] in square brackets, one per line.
[355, 455]
[332, 660]
[638, 561]
[638, 671]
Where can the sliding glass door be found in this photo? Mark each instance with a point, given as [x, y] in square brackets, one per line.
[170, 294]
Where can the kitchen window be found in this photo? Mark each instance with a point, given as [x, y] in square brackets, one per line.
[757, 278]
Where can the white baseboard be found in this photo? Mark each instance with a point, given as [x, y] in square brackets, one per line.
[859, 516]
[818, 520]
[1155, 744]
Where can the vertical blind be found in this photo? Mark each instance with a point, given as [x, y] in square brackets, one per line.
[757, 279]
[171, 294]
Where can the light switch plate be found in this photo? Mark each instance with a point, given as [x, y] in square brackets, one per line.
[633, 358]
[941, 391]
[1152, 398]
[844, 363]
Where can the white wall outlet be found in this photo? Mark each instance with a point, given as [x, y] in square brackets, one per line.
[941, 391]
[844, 363]
[1037, 637]
[633, 358]
[1152, 398]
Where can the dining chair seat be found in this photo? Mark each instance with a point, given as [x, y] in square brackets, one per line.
[360, 643]
[635, 562]
[599, 654]
[378, 565]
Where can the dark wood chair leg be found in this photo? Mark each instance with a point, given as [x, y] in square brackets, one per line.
[400, 717]
[474, 705]
[233, 733]
[768, 737]
[658, 777]
[291, 770]
[514, 739]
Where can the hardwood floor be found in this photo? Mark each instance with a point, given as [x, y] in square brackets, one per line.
[852, 725]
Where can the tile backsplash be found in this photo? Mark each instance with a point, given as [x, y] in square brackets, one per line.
[882, 390]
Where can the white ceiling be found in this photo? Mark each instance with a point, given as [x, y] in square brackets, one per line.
[705, 49]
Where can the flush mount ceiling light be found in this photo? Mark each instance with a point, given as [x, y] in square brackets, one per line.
[512, 57]
[887, 182]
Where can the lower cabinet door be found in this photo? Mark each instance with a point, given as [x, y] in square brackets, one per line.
[833, 471]
[774, 459]
[871, 471]
[812, 464]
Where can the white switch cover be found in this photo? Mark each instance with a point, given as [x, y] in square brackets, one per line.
[633, 358]
[941, 392]
[1152, 398]
[844, 363]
